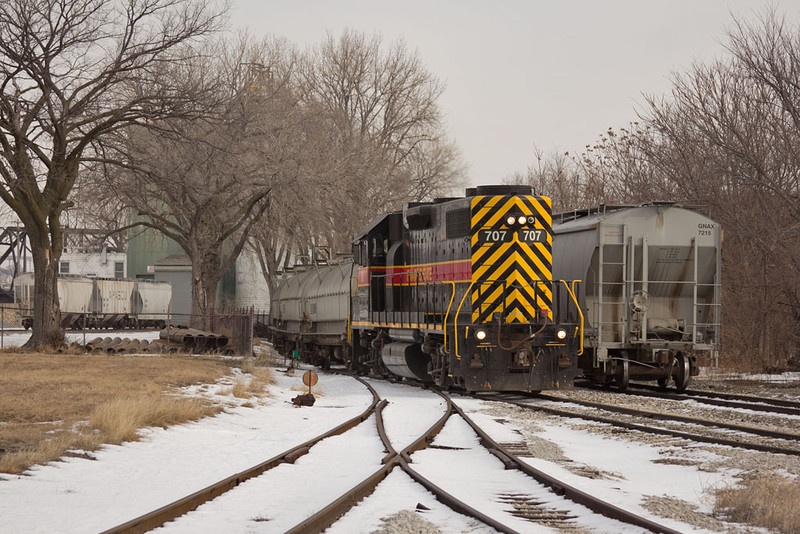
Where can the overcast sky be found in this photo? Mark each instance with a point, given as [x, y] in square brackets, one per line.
[525, 73]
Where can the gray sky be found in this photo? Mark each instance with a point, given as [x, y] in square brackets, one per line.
[554, 74]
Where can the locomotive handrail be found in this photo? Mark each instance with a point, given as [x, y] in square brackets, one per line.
[580, 312]
[458, 312]
[447, 314]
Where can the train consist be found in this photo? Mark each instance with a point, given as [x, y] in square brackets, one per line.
[102, 302]
[491, 292]
[457, 292]
[651, 289]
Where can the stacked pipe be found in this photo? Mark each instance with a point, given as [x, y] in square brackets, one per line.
[171, 339]
[126, 345]
[193, 339]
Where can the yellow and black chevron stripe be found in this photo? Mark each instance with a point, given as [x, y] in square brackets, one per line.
[511, 275]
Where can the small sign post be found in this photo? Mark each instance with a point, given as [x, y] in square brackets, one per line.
[310, 379]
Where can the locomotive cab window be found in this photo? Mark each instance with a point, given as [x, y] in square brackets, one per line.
[360, 253]
[379, 246]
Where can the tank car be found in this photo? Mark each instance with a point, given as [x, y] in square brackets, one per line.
[456, 292]
[309, 311]
[650, 299]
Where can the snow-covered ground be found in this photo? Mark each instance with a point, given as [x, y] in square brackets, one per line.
[122, 482]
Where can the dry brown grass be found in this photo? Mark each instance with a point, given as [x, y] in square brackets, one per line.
[771, 501]
[52, 403]
[119, 420]
[239, 389]
[262, 377]
[254, 386]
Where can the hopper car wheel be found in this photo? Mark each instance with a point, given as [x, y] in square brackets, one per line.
[622, 374]
[684, 372]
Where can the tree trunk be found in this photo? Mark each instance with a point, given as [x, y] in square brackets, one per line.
[200, 299]
[46, 313]
[204, 296]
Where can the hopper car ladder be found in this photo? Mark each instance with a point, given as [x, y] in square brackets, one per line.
[605, 292]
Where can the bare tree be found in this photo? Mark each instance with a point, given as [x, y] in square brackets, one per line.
[555, 175]
[730, 134]
[67, 74]
[377, 142]
[206, 183]
[384, 107]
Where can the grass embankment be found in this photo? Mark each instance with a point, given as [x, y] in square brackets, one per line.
[51, 404]
[770, 501]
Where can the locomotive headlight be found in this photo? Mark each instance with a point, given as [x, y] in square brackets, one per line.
[511, 220]
[561, 334]
[522, 219]
[480, 335]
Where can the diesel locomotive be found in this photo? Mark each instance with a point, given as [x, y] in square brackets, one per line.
[455, 292]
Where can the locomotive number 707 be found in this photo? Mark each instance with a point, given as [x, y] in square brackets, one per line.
[506, 236]
[531, 236]
[497, 236]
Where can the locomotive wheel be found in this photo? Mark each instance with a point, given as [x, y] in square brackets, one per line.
[622, 374]
[684, 372]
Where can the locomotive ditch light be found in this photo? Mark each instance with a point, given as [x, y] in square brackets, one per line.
[480, 335]
[561, 334]
[511, 220]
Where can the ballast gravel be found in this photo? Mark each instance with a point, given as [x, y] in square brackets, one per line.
[704, 457]
[406, 522]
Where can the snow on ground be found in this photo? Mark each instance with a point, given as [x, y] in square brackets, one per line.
[630, 471]
[122, 482]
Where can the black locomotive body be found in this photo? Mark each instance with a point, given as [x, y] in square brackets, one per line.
[456, 292]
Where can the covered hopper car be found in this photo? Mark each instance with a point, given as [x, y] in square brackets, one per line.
[650, 296]
[101, 302]
[456, 292]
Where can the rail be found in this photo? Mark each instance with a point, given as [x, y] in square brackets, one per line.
[562, 488]
[191, 502]
[590, 416]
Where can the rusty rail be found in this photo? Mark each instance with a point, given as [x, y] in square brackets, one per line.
[644, 428]
[727, 400]
[331, 513]
[559, 487]
[191, 502]
[675, 417]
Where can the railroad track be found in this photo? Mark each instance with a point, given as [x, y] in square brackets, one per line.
[518, 504]
[726, 400]
[722, 433]
[191, 502]
[522, 505]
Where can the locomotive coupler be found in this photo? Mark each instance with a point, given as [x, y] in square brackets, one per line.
[525, 356]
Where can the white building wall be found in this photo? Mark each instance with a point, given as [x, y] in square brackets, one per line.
[96, 264]
[251, 288]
